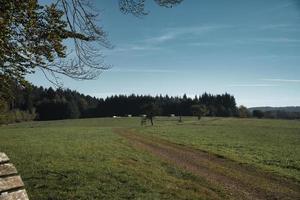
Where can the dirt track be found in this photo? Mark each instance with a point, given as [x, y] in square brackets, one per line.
[237, 180]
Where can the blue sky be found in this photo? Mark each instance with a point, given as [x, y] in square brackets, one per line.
[250, 49]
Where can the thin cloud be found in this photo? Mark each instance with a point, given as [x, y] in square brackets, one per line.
[168, 34]
[149, 70]
[276, 56]
[280, 27]
[252, 85]
[248, 41]
[281, 80]
[259, 41]
[126, 48]
[175, 33]
[277, 40]
[162, 38]
[197, 44]
[275, 26]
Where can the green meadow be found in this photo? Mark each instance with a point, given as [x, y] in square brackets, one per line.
[273, 145]
[87, 159]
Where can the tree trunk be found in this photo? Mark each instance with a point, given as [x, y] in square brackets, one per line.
[180, 120]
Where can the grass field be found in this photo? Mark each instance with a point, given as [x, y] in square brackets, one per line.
[87, 159]
[270, 144]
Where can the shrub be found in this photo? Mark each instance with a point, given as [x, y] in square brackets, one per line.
[15, 116]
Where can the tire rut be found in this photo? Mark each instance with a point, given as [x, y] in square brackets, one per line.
[239, 181]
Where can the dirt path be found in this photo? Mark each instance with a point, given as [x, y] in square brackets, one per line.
[237, 180]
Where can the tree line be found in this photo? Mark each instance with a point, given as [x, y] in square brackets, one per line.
[38, 103]
[276, 114]
[54, 104]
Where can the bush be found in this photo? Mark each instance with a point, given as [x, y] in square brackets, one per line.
[243, 112]
[15, 116]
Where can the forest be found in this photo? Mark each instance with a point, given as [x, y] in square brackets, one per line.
[54, 104]
[38, 103]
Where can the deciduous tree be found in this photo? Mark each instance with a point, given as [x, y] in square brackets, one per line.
[199, 110]
[34, 36]
[151, 110]
[244, 112]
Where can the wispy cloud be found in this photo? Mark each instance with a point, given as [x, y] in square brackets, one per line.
[252, 85]
[162, 38]
[190, 36]
[262, 41]
[275, 80]
[248, 41]
[274, 26]
[205, 44]
[168, 34]
[179, 32]
[277, 40]
[280, 27]
[142, 70]
[132, 47]
[282, 80]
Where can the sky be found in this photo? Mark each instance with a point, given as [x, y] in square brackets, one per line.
[250, 49]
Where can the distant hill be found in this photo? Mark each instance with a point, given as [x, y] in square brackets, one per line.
[268, 108]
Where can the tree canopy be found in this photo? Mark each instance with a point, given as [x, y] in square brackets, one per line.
[199, 110]
[62, 104]
[34, 36]
[49, 104]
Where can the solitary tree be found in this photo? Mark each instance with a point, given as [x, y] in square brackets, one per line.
[151, 110]
[199, 110]
[243, 112]
[179, 110]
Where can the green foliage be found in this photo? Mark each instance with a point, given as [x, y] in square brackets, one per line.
[244, 112]
[199, 110]
[3, 106]
[151, 110]
[66, 103]
[32, 35]
[137, 7]
[15, 116]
